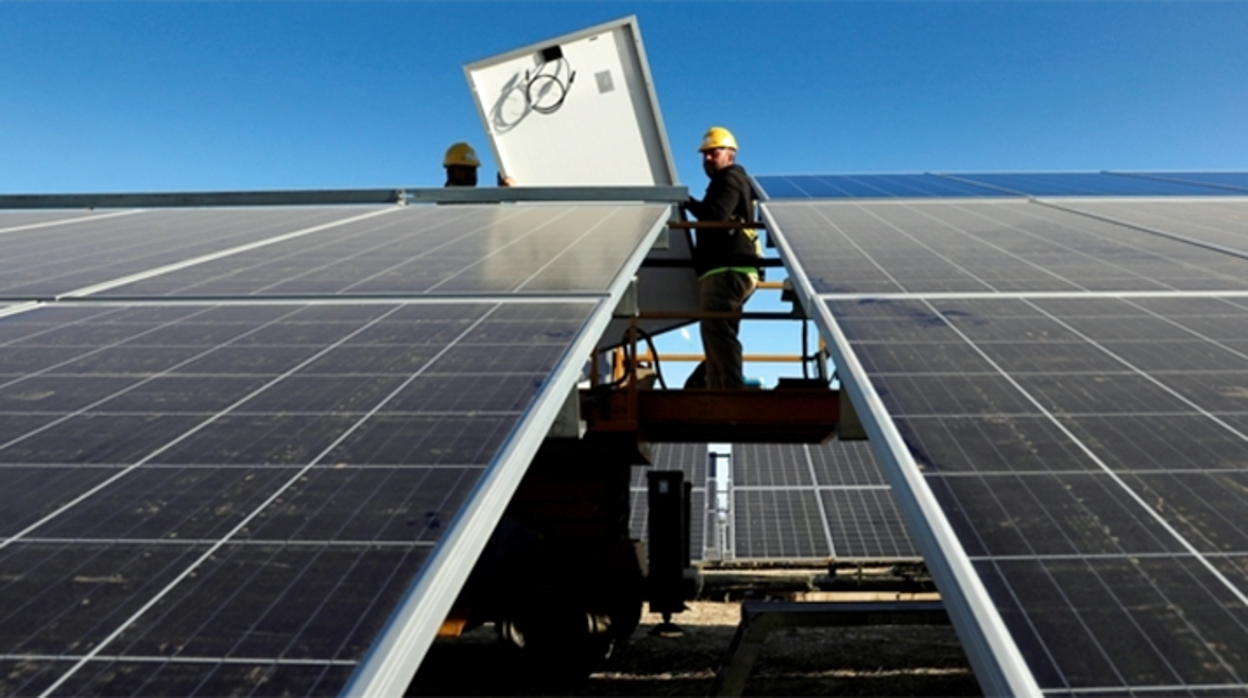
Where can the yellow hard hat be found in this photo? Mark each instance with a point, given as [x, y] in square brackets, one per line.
[717, 137]
[461, 154]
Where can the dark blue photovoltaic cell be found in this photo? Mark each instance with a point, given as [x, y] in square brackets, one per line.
[868, 187]
[302, 460]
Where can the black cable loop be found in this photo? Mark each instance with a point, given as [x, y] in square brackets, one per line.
[552, 77]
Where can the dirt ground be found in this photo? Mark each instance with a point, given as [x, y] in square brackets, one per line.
[855, 661]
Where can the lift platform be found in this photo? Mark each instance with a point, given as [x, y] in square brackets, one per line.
[808, 412]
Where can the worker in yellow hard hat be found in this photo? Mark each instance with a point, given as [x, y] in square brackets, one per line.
[725, 260]
[461, 163]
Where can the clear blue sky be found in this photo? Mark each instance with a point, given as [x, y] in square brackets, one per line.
[153, 96]
[211, 96]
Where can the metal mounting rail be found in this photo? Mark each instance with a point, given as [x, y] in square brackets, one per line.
[333, 197]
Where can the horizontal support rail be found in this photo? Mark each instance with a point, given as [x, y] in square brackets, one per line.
[332, 197]
[782, 415]
[565, 195]
[711, 315]
[767, 262]
[759, 358]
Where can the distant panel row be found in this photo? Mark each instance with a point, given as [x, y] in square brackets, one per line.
[787, 503]
[980, 185]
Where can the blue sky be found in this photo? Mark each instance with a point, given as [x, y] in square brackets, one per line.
[213, 96]
[154, 96]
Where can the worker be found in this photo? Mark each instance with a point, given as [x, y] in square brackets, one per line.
[461, 163]
[723, 258]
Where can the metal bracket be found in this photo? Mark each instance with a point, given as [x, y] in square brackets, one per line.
[848, 425]
[629, 305]
[568, 423]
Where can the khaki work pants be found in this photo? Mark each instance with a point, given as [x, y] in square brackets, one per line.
[726, 291]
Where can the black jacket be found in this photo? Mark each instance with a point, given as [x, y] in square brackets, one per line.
[729, 197]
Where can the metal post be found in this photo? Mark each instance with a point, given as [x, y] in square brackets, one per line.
[668, 544]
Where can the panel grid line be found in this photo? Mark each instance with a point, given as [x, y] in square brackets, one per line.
[823, 512]
[68, 221]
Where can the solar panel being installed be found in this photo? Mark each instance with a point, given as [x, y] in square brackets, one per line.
[1057, 401]
[283, 495]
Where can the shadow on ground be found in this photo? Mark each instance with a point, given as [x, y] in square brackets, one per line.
[889, 660]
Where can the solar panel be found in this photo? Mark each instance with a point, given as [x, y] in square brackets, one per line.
[829, 501]
[423, 250]
[17, 221]
[1055, 401]
[1229, 180]
[790, 503]
[1086, 184]
[1218, 225]
[991, 247]
[283, 495]
[72, 257]
[870, 186]
[1002, 184]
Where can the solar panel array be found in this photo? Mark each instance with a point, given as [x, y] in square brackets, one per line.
[1058, 392]
[829, 502]
[996, 184]
[793, 503]
[258, 450]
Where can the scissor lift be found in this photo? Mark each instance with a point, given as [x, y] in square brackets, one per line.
[562, 578]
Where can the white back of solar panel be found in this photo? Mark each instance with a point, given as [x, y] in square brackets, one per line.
[589, 117]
